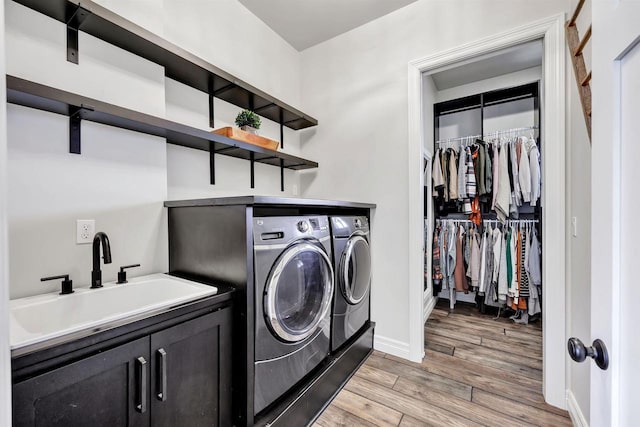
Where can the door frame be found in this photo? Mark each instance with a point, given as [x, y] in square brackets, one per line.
[551, 31]
[5, 356]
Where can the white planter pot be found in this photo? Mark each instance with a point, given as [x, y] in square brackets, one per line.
[249, 129]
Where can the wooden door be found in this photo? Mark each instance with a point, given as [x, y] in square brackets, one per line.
[107, 389]
[191, 365]
[615, 206]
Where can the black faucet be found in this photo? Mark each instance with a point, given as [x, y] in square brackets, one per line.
[96, 274]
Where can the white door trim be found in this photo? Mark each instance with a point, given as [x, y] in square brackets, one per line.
[551, 30]
[5, 357]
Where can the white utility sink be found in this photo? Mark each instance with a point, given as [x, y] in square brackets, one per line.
[44, 317]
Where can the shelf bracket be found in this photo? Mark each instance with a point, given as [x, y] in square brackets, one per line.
[212, 163]
[211, 100]
[281, 129]
[252, 161]
[74, 131]
[73, 26]
[281, 174]
[75, 118]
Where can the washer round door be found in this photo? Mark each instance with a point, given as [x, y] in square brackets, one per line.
[355, 269]
[298, 291]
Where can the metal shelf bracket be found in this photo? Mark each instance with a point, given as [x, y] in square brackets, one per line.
[252, 161]
[73, 26]
[281, 174]
[75, 118]
[74, 131]
[212, 163]
[281, 129]
[211, 102]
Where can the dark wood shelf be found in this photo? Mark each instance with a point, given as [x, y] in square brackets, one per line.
[35, 95]
[179, 64]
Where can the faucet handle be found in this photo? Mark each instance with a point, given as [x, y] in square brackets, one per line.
[67, 285]
[122, 275]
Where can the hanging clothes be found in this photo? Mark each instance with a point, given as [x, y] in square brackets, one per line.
[460, 278]
[496, 176]
[483, 263]
[534, 169]
[475, 215]
[504, 188]
[488, 169]
[470, 181]
[462, 175]
[516, 194]
[451, 257]
[524, 175]
[436, 269]
[480, 169]
[453, 174]
[474, 264]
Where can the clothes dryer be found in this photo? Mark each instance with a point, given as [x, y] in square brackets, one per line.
[352, 265]
[293, 292]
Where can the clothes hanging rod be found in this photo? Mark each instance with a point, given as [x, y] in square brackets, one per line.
[489, 134]
[491, 221]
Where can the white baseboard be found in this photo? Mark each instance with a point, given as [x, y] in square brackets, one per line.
[429, 303]
[391, 346]
[575, 412]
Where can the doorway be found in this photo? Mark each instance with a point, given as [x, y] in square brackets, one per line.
[423, 95]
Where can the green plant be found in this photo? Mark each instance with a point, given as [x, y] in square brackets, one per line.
[248, 118]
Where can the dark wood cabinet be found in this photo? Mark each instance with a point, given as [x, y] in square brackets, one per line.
[180, 375]
[101, 390]
[191, 365]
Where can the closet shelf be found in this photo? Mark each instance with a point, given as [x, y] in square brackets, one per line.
[35, 95]
[179, 64]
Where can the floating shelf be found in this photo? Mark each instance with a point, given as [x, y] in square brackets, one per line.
[35, 95]
[179, 64]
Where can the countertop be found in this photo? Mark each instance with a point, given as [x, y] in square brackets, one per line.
[267, 201]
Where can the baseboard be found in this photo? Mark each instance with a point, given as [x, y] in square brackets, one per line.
[428, 305]
[391, 346]
[575, 412]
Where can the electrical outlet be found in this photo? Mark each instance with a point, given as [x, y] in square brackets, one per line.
[85, 230]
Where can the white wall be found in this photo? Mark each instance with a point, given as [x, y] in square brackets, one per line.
[357, 84]
[578, 176]
[5, 357]
[122, 178]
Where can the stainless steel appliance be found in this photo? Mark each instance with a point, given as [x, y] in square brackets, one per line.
[352, 263]
[293, 292]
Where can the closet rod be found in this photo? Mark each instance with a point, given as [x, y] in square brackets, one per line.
[491, 221]
[489, 134]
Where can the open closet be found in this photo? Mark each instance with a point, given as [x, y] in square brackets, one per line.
[483, 201]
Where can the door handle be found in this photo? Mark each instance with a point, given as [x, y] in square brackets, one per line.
[598, 352]
[162, 375]
[142, 385]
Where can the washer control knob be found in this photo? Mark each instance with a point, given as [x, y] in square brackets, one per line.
[303, 226]
[357, 222]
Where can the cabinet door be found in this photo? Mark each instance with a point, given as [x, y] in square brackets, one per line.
[191, 365]
[108, 389]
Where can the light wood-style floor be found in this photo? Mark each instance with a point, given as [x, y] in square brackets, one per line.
[476, 371]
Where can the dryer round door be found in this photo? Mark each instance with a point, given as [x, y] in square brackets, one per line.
[298, 291]
[355, 269]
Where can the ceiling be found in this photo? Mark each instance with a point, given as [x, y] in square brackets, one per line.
[305, 23]
[496, 64]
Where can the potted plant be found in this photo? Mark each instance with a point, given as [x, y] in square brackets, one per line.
[248, 121]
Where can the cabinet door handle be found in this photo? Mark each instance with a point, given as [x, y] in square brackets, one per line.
[162, 375]
[142, 385]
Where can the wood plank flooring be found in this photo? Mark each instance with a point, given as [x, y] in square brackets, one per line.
[477, 371]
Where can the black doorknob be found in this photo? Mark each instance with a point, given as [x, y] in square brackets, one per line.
[597, 351]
